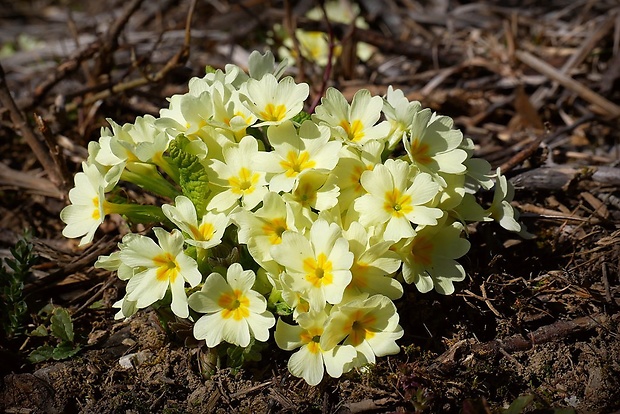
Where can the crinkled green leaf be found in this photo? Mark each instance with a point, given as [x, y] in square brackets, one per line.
[277, 304]
[42, 353]
[283, 309]
[193, 177]
[40, 330]
[237, 355]
[61, 326]
[64, 350]
[301, 117]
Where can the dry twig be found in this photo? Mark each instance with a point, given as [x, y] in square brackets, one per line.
[178, 59]
[609, 108]
[547, 333]
[20, 122]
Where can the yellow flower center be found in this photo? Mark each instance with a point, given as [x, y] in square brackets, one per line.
[105, 208]
[244, 182]
[96, 212]
[296, 163]
[397, 204]
[355, 176]
[204, 232]
[422, 250]
[201, 124]
[419, 152]
[305, 194]
[167, 267]
[319, 270]
[361, 327]
[239, 114]
[312, 337]
[273, 112]
[354, 130]
[274, 230]
[235, 305]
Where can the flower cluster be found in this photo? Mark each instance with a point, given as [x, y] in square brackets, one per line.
[274, 217]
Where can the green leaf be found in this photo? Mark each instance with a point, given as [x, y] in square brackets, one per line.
[276, 303]
[42, 353]
[64, 350]
[283, 309]
[237, 355]
[301, 117]
[46, 310]
[62, 327]
[519, 404]
[40, 330]
[193, 177]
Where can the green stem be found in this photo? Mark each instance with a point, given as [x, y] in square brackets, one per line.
[150, 180]
[170, 169]
[202, 258]
[138, 213]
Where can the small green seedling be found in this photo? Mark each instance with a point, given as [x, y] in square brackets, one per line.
[61, 328]
[13, 273]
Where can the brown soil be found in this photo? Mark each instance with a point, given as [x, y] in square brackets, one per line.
[534, 317]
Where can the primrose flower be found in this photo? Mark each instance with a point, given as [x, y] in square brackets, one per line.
[451, 192]
[261, 64]
[348, 172]
[370, 325]
[243, 184]
[293, 298]
[501, 210]
[311, 361]
[274, 102]
[233, 311]
[318, 267]
[114, 263]
[314, 190]
[125, 307]
[433, 146]
[393, 200]
[140, 141]
[264, 228]
[159, 268]
[88, 206]
[232, 76]
[479, 174]
[399, 112]
[428, 257]
[207, 233]
[314, 46]
[229, 113]
[469, 210]
[296, 152]
[355, 123]
[187, 114]
[372, 265]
